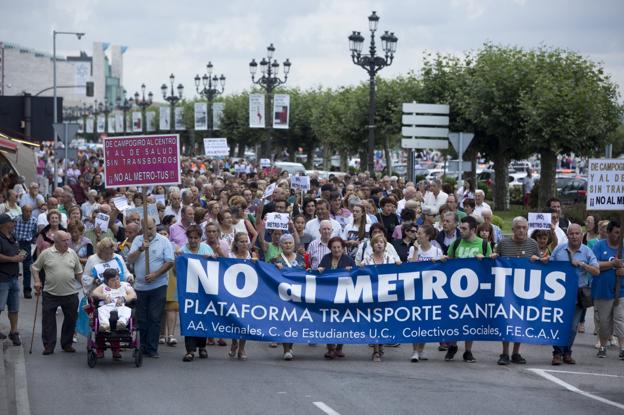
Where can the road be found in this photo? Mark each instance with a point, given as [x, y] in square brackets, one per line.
[265, 384]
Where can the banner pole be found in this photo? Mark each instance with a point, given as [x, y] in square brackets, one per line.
[147, 270]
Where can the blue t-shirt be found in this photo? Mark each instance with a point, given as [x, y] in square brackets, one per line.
[160, 252]
[584, 254]
[603, 286]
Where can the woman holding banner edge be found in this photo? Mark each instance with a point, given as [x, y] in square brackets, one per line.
[194, 246]
[240, 250]
[379, 257]
[335, 259]
[289, 258]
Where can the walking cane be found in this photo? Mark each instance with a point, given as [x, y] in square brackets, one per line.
[32, 338]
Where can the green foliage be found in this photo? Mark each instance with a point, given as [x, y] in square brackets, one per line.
[498, 221]
[516, 195]
[486, 189]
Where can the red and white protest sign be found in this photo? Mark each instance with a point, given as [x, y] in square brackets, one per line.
[142, 160]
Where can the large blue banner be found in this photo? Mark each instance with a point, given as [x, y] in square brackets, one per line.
[463, 299]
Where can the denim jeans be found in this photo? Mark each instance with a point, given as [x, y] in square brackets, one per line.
[149, 309]
[26, 246]
[567, 350]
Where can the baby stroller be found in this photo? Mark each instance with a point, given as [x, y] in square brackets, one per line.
[115, 339]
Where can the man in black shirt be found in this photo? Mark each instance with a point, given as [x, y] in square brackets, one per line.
[402, 246]
[388, 217]
[10, 257]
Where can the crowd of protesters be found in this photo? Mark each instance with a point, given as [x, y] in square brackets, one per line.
[218, 210]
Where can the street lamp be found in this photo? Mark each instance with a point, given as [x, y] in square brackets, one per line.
[172, 99]
[55, 116]
[125, 105]
[372, 64]
[104, 108]
[143, 103]
[213, 86]
[268, 81]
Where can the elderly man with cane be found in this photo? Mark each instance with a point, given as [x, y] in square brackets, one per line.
[63, 280]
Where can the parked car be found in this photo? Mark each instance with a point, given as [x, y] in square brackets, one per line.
[293, 169]
[573, 190]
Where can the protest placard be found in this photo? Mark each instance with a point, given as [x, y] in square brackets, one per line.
[605, 184]
[300, 183]
[152, 212]
[101, 221]
[268, 191]
[142, 160]
[265, 163]
[279, 221]
[216, 147]
[121, 203]
[539, 221]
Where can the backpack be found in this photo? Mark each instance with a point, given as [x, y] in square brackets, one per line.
[457, 241]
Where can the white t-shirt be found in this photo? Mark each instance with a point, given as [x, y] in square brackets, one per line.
[432, 254]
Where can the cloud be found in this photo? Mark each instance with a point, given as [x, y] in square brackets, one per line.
[181, 37]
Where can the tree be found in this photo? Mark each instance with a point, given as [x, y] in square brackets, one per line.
[495, 82]
[571, 106]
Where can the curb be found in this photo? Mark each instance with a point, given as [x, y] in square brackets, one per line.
[16, 387]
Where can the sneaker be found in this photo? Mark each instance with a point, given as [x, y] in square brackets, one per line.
[288, 356]
[376, 357]
[468, 357]
[503, 360]
[75, 339]
[415, 357]
[621, 355]
[162, 340]
[518, 359]
[15, 338]
[602, 352]
[450, 353]
[556, 360]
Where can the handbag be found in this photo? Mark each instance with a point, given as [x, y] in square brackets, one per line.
[583, 295]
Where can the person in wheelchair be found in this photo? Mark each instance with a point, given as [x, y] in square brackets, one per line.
[112, 296]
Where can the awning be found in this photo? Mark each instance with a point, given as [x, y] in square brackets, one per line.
[8, 145]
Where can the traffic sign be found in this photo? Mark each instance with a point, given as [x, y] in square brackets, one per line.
[454, 165]
[460, 141]
[424, 132]
[424, 143]
[413, 107]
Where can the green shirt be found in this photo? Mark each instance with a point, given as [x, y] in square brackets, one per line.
[469, 249]
[272, 252]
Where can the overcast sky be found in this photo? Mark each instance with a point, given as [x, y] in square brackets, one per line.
[180, 37]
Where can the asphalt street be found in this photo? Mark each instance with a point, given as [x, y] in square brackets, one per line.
[265, 384]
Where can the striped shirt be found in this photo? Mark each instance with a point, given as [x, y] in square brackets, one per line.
[517, 249]
[317, 250]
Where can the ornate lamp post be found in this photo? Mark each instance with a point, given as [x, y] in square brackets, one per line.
[143, 103]
[172, 99]
[125, 105]
[372, 64]
[269, 68]
[104, 108]
[79, 35]
[210, 86]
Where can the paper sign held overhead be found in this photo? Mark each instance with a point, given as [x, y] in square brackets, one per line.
[300, 183]
[269, 190]
[279, 221]
[216, 147]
